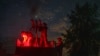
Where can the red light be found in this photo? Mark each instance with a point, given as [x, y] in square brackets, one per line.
[26, 39]
[18, 42]
[52, 43]
[59, 41]
[33, 40]
[36, 44]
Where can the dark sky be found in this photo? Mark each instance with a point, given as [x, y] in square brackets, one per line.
[15, 15]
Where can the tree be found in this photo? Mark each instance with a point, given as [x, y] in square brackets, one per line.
[81, 33]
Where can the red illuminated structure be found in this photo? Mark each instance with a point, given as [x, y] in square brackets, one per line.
[34, 42]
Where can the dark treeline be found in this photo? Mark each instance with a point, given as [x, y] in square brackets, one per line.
[83, 35]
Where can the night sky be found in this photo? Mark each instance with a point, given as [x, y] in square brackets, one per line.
[15, 16]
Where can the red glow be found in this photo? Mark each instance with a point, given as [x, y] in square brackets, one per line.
[59, 41]
[52, 43]
[35, 40]
[43, 39]
[18, 42]
[26, 39]
[36, 44]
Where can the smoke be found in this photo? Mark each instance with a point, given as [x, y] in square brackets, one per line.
[33, 5]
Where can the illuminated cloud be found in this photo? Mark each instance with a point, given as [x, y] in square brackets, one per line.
[60, 26]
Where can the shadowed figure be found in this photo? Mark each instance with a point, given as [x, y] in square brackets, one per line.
[43, 38]
[37, 44]
[59, 46]
[33, 25]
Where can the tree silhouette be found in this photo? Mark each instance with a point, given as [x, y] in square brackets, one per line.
[81, 36]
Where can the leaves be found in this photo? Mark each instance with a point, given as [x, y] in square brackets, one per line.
[84, 22]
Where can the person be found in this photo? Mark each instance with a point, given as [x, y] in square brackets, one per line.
[43, 38]
[33, 25]
[39, 25]
[59, 46]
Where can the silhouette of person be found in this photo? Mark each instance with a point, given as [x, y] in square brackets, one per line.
[33, 25]
[43, 38]
[59, 46]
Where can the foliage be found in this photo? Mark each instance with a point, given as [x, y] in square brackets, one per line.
[82, 35]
